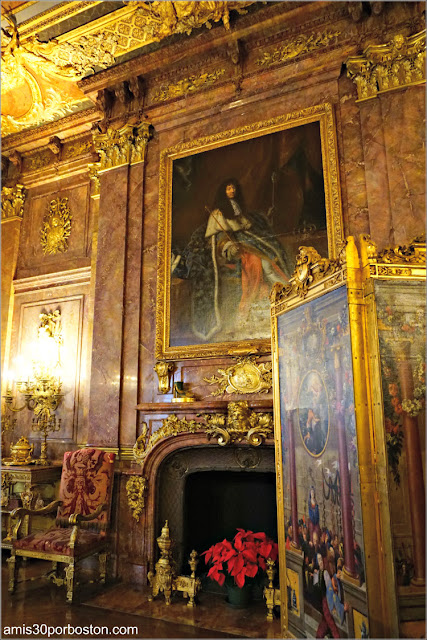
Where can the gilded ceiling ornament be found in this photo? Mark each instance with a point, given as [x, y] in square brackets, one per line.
[12, 202]
[36, 65]
[239, 424]
[246, 376]
[399, 63]
[126, 145]
[188, 85]
[297, 47]
[135, 489]
[56, 227]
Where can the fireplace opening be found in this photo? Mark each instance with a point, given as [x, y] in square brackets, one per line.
[216, 503]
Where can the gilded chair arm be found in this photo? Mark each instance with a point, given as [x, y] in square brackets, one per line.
[76, 518]
[21, 512]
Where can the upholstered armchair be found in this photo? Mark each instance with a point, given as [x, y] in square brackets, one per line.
[82, 519]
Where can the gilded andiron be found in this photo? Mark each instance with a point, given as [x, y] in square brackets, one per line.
[164, 580]
[271, 595]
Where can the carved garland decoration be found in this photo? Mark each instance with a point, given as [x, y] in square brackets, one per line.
[246, 376]
[297, 47]
[399, 63]
[56, 227]
[12, 202]
[135, 488]
[188, 85]
[240, 423]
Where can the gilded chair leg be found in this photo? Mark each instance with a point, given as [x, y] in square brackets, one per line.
[13, 572]
[102, 566]
[69, 579]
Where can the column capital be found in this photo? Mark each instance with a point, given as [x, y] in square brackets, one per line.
[12, 202]
[124, 146]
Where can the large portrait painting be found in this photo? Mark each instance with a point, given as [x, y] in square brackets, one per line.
[234, 208]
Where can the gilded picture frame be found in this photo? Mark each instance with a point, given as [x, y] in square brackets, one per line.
[266, 160]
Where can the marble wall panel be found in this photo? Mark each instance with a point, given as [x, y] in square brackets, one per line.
[106, 365]
[32, 260]
[10, 236]
[132, 305]
[72, 301]
[404, 112]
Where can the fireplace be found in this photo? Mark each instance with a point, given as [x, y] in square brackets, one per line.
[207, 492]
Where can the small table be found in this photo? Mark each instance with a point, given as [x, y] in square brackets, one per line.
[29, 486]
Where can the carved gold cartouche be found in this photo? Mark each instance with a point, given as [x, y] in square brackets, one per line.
[56, 227]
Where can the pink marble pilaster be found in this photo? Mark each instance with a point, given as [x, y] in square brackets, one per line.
[10, 235]
[132, 307]
[106, 368]
[403, 115]
[377, 184]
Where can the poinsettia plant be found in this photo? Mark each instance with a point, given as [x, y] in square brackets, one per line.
[242, 558]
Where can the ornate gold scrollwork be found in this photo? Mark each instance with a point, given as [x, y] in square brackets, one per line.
[399, 63]
[163, 369]
[188, 85]
[239, 424]
[126, 145]
[246, 376]
[297, 47]
[135, 489]
[172, 426]
[56, 227]
[412, 255]
[12, 202]
[310, 268]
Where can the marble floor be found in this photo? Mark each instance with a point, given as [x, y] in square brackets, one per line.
[38, 602]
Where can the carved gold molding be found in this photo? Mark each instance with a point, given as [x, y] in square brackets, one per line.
[239, 424]
[135, 489]
[118, 147]
[56, 227]
[192, 84]
[309, 270]
[12, 202]
[399, 63]
[399, 261]
[245, 376]
[172, 426]
[140, 23]
[297, 47]
[163, 370]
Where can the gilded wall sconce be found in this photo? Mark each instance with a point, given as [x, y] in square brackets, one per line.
[42, 387]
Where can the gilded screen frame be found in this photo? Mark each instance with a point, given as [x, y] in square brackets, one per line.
[324, 114]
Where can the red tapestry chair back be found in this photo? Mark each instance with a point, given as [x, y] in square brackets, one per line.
[86, 483]
[82, 519]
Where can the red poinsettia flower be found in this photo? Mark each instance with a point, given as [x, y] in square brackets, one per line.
[242, 558]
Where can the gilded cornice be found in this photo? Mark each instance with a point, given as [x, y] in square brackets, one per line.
[399, 63]
[123, 146]
[12, 202]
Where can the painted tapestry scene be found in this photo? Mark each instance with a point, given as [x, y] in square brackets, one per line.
[239, 214]
[321, 485]
[401, 330]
